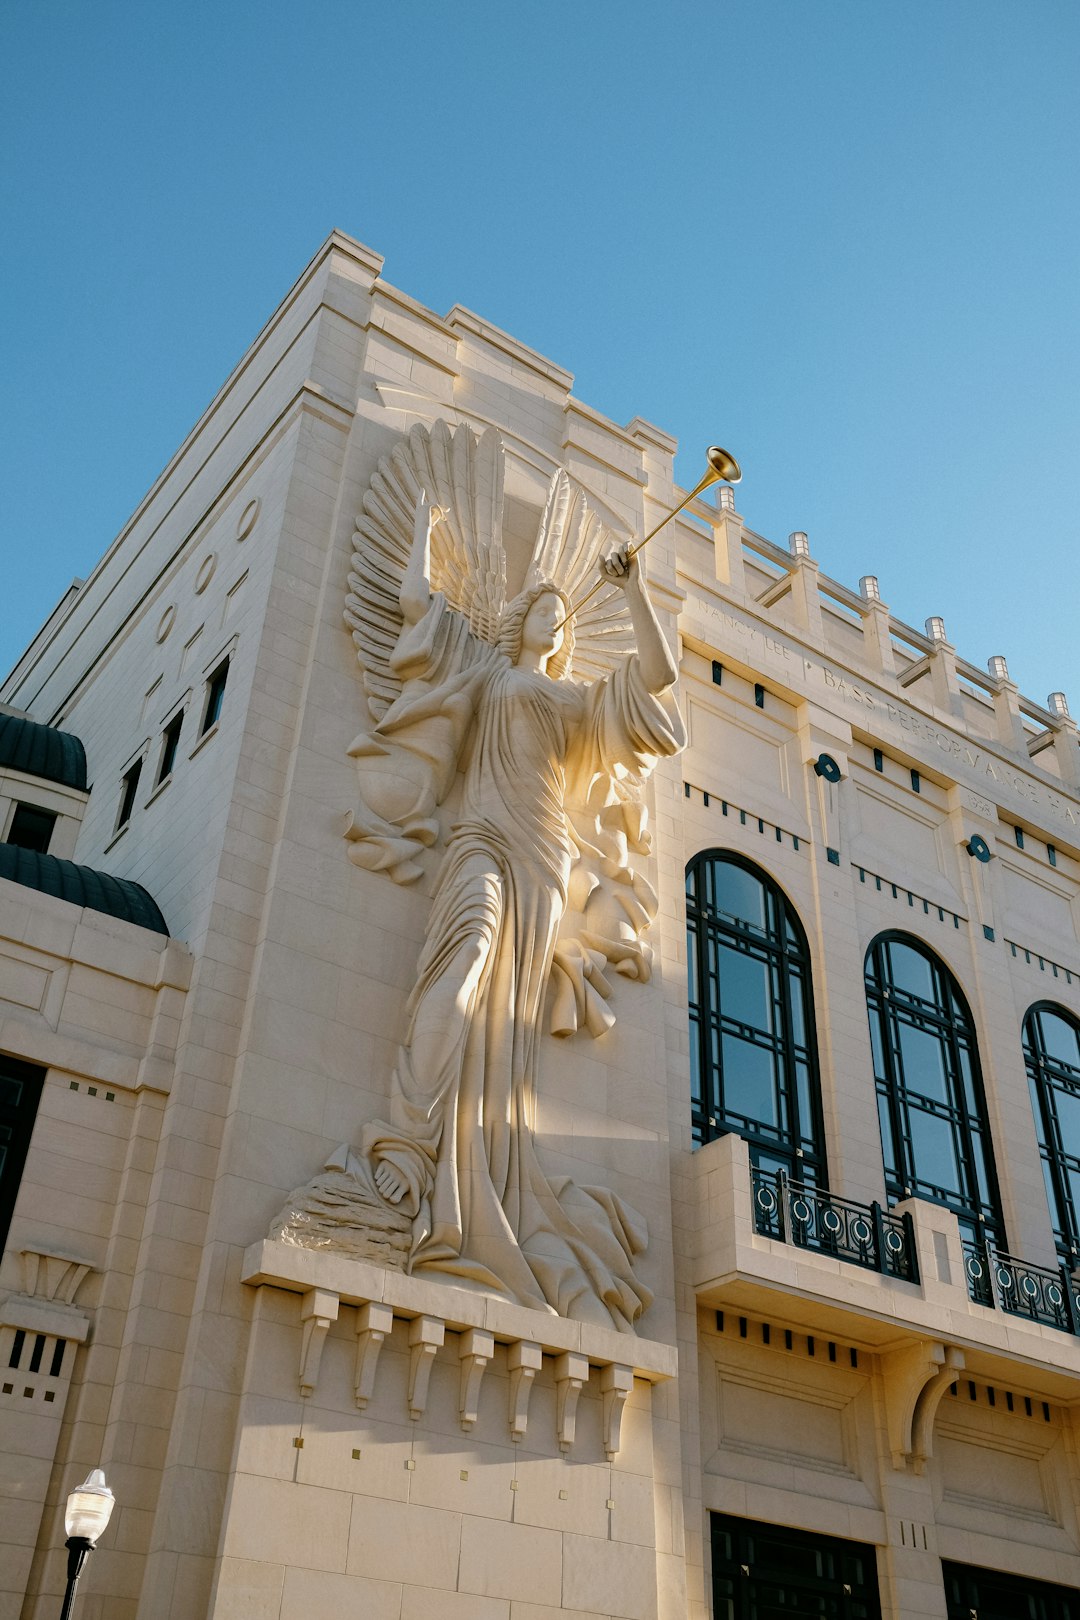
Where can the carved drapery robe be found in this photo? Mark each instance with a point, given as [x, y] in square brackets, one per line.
[462, 1118]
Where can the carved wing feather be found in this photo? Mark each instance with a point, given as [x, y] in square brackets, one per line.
[463, 475]
[570, 542]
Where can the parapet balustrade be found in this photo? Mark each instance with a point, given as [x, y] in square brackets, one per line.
[984, 701]
[862, 1234]
[1038, 1293]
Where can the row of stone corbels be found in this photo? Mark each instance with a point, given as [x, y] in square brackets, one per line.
[476, 1350]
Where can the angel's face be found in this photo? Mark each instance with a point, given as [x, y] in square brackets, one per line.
[542, 632]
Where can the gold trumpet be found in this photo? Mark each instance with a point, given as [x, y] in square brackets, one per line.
[723, 468]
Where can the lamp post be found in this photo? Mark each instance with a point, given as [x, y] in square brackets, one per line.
[88, 1511]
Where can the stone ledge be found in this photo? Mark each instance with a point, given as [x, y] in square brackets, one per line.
[283, 1265]
[49, 1317]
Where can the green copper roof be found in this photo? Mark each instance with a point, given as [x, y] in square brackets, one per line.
[37, 750]
[82, 885]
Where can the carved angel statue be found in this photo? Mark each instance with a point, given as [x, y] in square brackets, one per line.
[549, 812]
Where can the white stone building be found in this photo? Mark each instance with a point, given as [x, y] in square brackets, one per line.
[853, 1148]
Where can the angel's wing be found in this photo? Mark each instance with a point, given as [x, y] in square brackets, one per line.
[571, 540]
[463, 475]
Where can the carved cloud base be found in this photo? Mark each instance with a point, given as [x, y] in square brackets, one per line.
[336, 1211]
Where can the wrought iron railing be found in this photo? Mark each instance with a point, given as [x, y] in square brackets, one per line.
[862, 1234]
[1039, 1293]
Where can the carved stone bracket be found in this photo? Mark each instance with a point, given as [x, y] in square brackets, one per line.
[47, 1303]
[915, 1379]
[373, 1323]
[426, 1335]
[477, 1349]
[571, 1372]
[616, 1383]
[523, 1360]
[318, 1310]
[54, 1277]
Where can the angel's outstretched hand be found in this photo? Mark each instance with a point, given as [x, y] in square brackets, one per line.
[620, 568]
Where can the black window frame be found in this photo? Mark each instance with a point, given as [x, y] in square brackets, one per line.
[1047, 1075]
[798, 1144]
[216, 683]
[760, 1568]
[31, 811]
[17, 1117]
[948, 1018]
[170, 745]
[997, 1595]
[129, 788]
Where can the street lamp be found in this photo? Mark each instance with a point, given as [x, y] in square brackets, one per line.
[89, 1509]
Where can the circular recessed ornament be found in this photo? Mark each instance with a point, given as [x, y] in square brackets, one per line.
[205, 573]
[827, 767]
[166, 622]
[1005, 1279]
[766, 1199]
[831, 1221]
[860, 1230]
[248, 518]
[1030, 1287]
[893, 1241]
[978, 848]
[974, 1267]
[1055, 1296]
[801, 1211]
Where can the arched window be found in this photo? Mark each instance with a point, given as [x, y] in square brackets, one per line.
[935, 1135]
[1052, 1053]
[753, 1055]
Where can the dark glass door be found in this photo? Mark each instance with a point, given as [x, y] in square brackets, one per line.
[767, 1572]
[986, 1594]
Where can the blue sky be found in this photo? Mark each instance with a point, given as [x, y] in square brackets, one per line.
[841, 237]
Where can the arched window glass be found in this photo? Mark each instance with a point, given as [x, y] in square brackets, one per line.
[1052, 1054]
[935, 1135]
[753, 1056]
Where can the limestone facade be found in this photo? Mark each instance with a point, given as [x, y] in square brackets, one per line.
[295, 1432]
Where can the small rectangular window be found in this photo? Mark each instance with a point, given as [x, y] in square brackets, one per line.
[1051, 854]
[170, 741]
[879, 760]
[215, 696]
[129, 788]
[717, 672]
[1019, 832]
[31, 828]
[916, 782]
[759, 695]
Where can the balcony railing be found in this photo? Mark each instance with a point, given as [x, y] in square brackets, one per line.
[862, 1234]
[1036, 1292]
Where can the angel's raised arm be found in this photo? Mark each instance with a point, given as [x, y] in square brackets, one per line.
[415, 594]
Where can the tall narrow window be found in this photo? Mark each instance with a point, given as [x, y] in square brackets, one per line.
[935, 1135]
[129, 788]
[1052, 1054]
[215, 697]
[753, 1057]
[170, 741]
[20, 1092]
